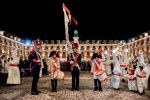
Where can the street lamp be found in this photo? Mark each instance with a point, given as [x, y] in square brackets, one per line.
[126, 50]
[106, 52]
[114, 51]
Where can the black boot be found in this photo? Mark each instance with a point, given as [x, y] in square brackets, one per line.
[148, 83]
[123, 80]
[95, 83]
[143, 92]
[52, 84]
[100, 87]
[55, 85]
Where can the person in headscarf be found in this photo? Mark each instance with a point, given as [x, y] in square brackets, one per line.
[36, 65]
[140, 74]
[97, 65]
[53, 66]
[13, 69]
[115, 79]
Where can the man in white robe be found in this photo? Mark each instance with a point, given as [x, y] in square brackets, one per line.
[13, 70]
[123, 65]
[140, 74]
[115, 79]
[107, 65]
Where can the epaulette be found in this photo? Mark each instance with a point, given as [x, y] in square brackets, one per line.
[32, 51]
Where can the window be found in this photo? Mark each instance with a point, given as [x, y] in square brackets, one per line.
[52, 47]
[14, 45]
[99, 47]
[94, 48]
[111, 47]
[58, 48]
[46, 48]
[147, 42]
[1, 40]
[88, 47]
[10, 43]
[105, 48]
[5, 41]
[82, 48]
[82, 54]
[88, 55]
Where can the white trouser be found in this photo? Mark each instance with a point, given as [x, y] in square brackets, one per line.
[141, 84]
[132, 85]
[115, 81]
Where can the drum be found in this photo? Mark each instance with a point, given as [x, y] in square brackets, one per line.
[55, 74]
[101, 75]
[59, 75]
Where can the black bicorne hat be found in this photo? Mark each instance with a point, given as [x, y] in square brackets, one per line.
[97, 55]
[54, 53]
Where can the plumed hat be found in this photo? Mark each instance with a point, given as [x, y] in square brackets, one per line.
[96, 55]
[37, 42]
[74, 45]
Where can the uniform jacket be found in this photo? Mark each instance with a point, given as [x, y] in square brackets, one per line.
[95, 68]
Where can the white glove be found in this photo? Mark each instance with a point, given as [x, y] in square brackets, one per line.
[49, 74]
[71, 62]
[38, 60]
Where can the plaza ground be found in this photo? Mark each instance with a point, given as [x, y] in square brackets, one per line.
[22, 92]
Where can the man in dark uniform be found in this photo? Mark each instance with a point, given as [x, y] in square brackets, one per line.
[36, 64]
[75, 63]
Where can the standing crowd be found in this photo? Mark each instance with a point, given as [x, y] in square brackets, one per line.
[132, 70]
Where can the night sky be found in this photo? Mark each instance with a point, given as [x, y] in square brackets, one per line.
[97, 20]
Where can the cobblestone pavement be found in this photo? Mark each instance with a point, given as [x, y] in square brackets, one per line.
[22, 92]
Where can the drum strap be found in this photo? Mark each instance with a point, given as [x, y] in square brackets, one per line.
[75, 58]
[97, 64]
[39, 58]
[54, 63]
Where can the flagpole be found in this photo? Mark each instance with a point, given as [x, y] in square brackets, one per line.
[45, 36]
